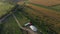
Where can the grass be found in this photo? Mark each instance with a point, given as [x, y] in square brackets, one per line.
[57, 7]
[5, 8]
[32, 15]
[42, 21]
[11, 27]
[21, 18]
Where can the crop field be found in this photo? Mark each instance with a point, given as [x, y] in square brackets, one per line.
[46, 7]
[39, 18]
[46, 2]
[11, 27]
[45, 11]
[46, 20]
[5, 8]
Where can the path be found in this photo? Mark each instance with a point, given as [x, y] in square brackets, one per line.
[4, 17]
[24, 28]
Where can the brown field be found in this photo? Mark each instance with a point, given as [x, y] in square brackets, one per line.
[45, 11]
[46, 2]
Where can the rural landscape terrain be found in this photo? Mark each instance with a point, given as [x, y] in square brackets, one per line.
[44, 14]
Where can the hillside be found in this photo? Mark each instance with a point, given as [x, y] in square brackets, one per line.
[44, 14]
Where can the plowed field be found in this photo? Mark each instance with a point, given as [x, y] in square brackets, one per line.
[48, 12]
[46, 2]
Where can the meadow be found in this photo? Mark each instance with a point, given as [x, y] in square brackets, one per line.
[5, 8]
[11, 27]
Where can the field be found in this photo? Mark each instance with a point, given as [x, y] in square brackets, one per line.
[45, 11]
[57, 7]
[46, 2]
[45, 19]
[5, 8]
[11, 27]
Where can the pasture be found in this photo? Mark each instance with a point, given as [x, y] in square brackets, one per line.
[5, 8]
[11, 27]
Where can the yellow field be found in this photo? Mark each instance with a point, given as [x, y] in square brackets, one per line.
[46, 2]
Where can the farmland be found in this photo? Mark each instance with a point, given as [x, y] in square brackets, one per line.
[41, 13]
[46, 2]
[42, 21]
[48, 12]
[48, 17]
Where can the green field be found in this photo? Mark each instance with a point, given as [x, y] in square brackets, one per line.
[11, 27]
[5, 8]
[57, 7]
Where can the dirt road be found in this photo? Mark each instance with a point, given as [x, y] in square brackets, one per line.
[4, 17]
